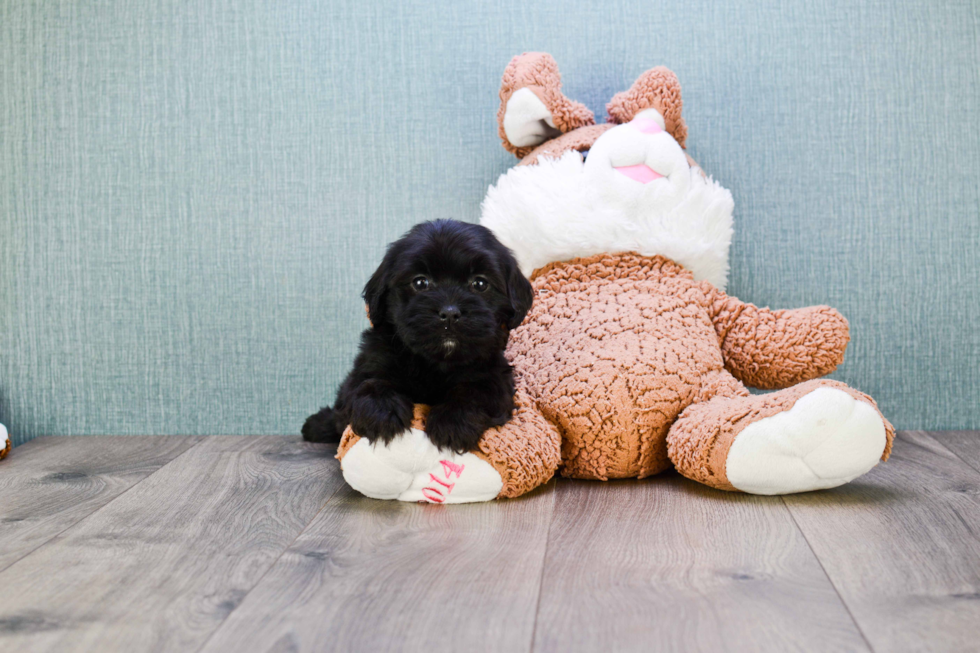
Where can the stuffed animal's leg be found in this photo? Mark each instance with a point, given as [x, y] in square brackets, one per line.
[411, 468]
[511, 460]
[526, 451]
[816, 435]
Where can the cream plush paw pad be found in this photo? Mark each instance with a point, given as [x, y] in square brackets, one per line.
[826, 439]
[411, 468]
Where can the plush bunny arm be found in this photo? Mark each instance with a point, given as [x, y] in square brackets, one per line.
[769, 349]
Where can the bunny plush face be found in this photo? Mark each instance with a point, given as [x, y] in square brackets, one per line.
[583, 189]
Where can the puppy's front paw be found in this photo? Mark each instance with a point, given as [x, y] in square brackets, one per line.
[379, 414]
[453, 429]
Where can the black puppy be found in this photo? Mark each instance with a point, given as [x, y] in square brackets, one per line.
[441, 305]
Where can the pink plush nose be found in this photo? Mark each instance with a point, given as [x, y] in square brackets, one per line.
[641, 173]
[646, 125]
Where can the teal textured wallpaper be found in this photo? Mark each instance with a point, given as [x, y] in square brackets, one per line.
[193, 194]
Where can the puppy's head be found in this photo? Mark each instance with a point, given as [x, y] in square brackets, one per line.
[450, 291]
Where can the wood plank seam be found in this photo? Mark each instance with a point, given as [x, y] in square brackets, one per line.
[901, 544]
[544, 563]
[827, 576]
[258, 581]
[939, 440]
[675, 565]
[96, 510]
[358, 563]
[248, 482]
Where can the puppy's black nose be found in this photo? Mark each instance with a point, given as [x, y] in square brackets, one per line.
[449, 315]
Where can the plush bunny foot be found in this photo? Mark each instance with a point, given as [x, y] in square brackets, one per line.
[814, 436]
[411, 468]
[826, 439]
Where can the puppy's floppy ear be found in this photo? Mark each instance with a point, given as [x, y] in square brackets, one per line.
[375, 292]
[519, 291]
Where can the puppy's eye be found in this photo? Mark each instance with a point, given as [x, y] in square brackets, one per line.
[480, 284]
[420, 283]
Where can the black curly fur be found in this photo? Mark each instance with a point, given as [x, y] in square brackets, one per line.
[404, 358]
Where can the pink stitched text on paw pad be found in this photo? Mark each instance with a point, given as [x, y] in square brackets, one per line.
[437, 491]
[449, 468]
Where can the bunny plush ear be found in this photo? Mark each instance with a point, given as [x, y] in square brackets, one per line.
[532, 107]
[657, 88]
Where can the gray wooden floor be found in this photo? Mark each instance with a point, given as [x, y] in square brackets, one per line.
[255, 544]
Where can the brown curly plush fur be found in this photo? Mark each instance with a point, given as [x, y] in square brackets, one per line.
[580, 139]
[617, 346]
[657, 88]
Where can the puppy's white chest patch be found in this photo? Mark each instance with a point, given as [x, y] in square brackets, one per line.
[411, 468]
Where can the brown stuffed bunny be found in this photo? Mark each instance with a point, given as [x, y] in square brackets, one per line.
[5, 444]
[632, 359]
